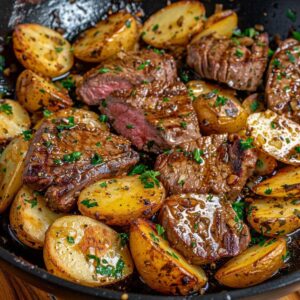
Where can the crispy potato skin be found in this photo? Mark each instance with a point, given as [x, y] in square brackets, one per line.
[13, 121]
[36, 93]
[265, 164]
[11, 166]
[285, 183]
[174, 25]
[276, 135]
[220, 24]
[255, 265]
[214, 116]
[274, 216]
[42, 50]
[121, 200]
[119, 32]
[160, 266]
[30, 218]
[73, 244]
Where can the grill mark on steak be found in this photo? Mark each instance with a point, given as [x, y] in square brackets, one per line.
[220, 60]
[46, 168]
[204, 228]
[223, 167]
[283, 82]
[125, 72]
[156, 120]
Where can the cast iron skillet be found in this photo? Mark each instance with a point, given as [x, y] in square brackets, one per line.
[73, 17]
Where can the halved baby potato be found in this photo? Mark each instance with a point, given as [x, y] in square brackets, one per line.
[174, 25]
[14, 119]
[30, 218]
[121, 200]
[265, 164]
[11, 170]
[285, 183]
[276, 135]
[42, 50]
[255, 265]
[253, 104]
[36, 93]
[85, 251]
[217, 109]
[274, 216]
[220, 24]
[118, 32]
[160, 266]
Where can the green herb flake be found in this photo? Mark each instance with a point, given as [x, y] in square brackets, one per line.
[89, 203]
[154, 238]
[70, 240]
[160, 230]
[6, 108]
[276, 63]
[103, 70]
[270, 52]
[246, 144]
[183, 125]
[268, 191]
[96, 159]
[72, 157]
[296, 35]
[128, 23]
[2, 63]
[47, 113]
[197, 153]
[239, 208]
[290, 56]
[123, 238]
[171, 253]
[33, 202]
[103, 184]
[68, 124]
[144, 64]
[149, 179]
[239, 53]
[130, 126]
[221, 101]
[291, 14]
[59, 49]
[27, 135]
[259, 164]
[155, 27]
[68, 83]
[138, 169]
[254, 106]
[103, 118]
[297, 149]
[166, 99]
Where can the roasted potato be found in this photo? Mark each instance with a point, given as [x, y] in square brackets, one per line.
[265, 164]
[42, 50]
[253, 104]
[83, 250]
[255, 265]
[118, 32]
[220, 24]
[174, 24]
[274, 216]
[11, 170]
[160, 266]
[218, 109]
[276, 135]
[120, 201]
[30, 217]
[14, 119]
[36, 93]
[285, 183]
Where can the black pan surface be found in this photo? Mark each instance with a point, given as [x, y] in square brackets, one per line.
[72, 17]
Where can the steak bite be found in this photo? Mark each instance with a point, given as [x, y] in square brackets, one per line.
[64, 157]
[230, 61]
[212, 164]
[125, 72]
[204, 228]
[153, 122]
[283, 82]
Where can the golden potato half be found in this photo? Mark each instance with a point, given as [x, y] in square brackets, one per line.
[160, 266]
[120, 201]
[274, 216]
[285, 183]
[174, 25]
[42, 50]
[118, 32]
[36, 93]
[255, 265]
[11, 170]
[217, 109]
[276, 135]
[30, 218]
[85, 251]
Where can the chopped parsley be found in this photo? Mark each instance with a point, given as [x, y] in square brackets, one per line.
[123, 238]
[166, 99]
[160, 230]
[197, 155]
[96, 159]
[59, 49]
[6, 108]
[183, 125]
[47, 113]
[184, 76]
[27, 135]
[33, 202]
[291, 14]
[154, 238]
[72, 157]
[103, 70]
[149, 179]
[276, 63]
[89, 203]
[68, 83]
[246, 144]
[155, 27]
[128, 23]
[103, 184]
[259, 163]
[290, 56]
[103, 118]
[296, 35]
[42, 91]
[268, 191]
[138, 169]
[47, 144]
[171, 253]
[129, 126]
[2, 63]
[254, 105]
[239, 53]
[144, 64]
[181, 182]
[297, 149]
[270, 52]
[70, 240]
[239, 208]
[66, 125]
[221, 101]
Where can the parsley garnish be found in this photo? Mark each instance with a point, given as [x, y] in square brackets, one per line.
[27, 135]
[6, 108]
[144, 64]
[68, 83]
[33, 202]
[149, 180]
[239, 208]
[129, 126]
[72, 157]
[88, 203]
[268, 191]
[59, 49]
[254, 105]
[103, 184]
[291, 14]
[47, 113]
[70, 240]
[103, 118]
[70, 123]
[103, 70]
[138, 169]
[123, 238]
[197, 155]
[183, 125]
[155, 27]
[296, 35]
[172, 254]
[259, 164]
[160, 230]
[154, 238]
[2, 63]
[246, 144]
[239, 53]
[128, 23]
[96, 159]
[221, 101]
[297, 149]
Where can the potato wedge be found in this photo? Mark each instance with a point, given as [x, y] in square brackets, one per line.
[220, 24]
[255, 265]
[160, 266]
[286, 183]
[14, 119]
[174, 24]
[42, 50]
[118, 32]
[217, 109]
[36, 93]
[30, 217]
[274, 216]
[11, 170]
[265, 164]
[120, 201]
[83, 250]
[253, 104]
[276, 135]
